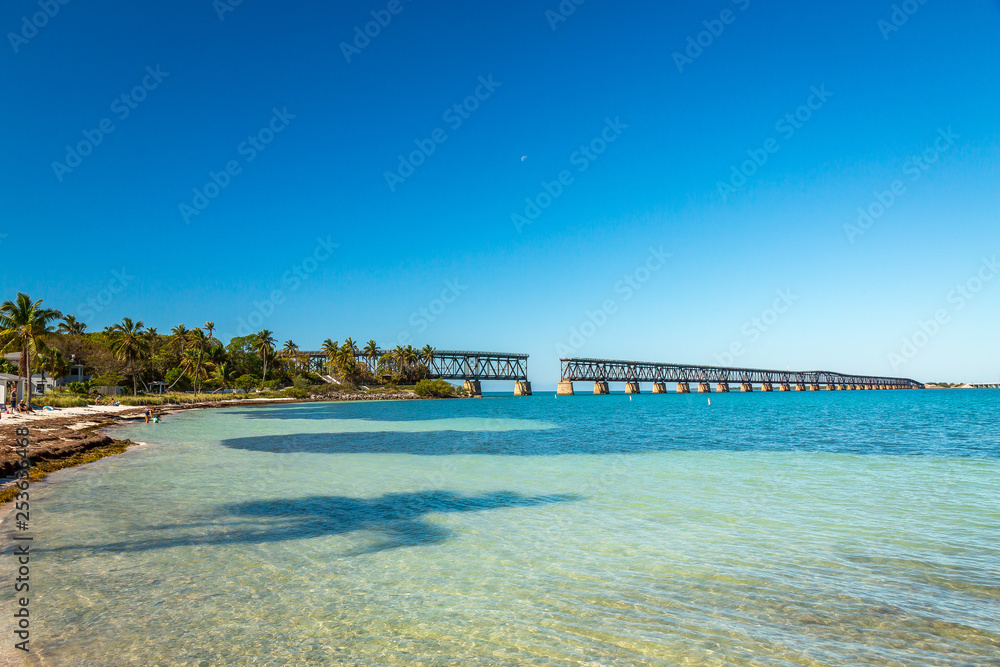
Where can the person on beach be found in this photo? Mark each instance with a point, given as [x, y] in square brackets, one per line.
[147, 415]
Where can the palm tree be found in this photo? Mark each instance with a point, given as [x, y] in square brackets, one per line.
[70, 326]
[371, 351]
[54, 363]
[24, 327]
[190, 366]
[331, 348]
[351, 346]
[179, 337]
[209, 327]
[399, 357]
[427, 355]
[42, 361]
[264, 343]
[199, 340]
[223, 373]
[346, 361]
[288, 351]
[128, 343]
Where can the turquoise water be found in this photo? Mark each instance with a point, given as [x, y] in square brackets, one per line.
[765, 529]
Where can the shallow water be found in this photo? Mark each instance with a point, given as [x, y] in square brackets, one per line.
[768, 529]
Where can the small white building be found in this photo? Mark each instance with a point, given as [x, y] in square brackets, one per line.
[8, 383]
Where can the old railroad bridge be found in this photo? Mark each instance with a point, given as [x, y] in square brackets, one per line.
[602, 371]
[474, 367]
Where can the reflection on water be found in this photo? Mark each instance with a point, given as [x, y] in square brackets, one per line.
[838, 529]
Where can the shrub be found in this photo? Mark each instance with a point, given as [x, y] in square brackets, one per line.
[296, 392]
[61, 401]
[300, 382]
[437, 388]
[80, 388]
[247, 382]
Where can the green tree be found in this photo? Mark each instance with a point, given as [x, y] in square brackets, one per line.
[179, 338]
[371, 351]
[24, 327]
[264, 343]
[223, 373]
[70, 326]
[330, 347]
[128, 343]
[191, 366]
[198, 342]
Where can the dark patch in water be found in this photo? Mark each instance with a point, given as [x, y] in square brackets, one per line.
[397, 516]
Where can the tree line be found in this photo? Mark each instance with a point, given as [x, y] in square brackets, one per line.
[135, 356]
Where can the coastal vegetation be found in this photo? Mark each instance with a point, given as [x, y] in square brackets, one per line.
[435, 388]
[190, 365]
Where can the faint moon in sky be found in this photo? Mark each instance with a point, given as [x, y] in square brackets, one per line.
[523, 158]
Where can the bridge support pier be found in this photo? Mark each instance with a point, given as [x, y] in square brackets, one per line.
[631, 387]
[683, 388]
[784, 387]
[565, 388]
[704, 388]
[800, 387]
[814, 387]
[831, 387]
[841, 387]
[767, 386]
[473, 388]
[722, 388]
[601, 388]
[746, 387]
[522, 388]
[659, 387]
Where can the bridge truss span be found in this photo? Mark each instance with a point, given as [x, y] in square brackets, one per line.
[633, 372]
[472, 367]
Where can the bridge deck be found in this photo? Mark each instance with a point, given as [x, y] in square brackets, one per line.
[639, 371]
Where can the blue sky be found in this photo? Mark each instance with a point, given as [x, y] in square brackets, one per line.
[909, 293]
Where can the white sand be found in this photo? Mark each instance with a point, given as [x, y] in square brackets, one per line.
[41, 413]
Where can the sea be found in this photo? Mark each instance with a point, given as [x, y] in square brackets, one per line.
[777, 529]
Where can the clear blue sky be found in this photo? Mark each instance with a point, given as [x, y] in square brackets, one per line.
[889, 96]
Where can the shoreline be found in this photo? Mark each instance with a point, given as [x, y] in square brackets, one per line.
[70, 437]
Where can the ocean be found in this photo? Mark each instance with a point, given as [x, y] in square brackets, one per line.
[826, 528]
